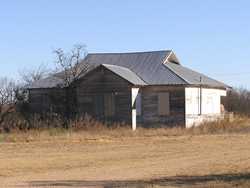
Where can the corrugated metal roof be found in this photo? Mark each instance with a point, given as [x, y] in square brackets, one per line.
[140, 68]
[126, 74]
[49, 82]
[57, 79]
[147, 65]
[193, 77]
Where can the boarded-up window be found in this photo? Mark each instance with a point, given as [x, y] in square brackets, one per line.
[109, 105]
[98, 102]
[163, 104]
[138, 104]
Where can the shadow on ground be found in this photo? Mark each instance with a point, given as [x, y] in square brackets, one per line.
[176, 181]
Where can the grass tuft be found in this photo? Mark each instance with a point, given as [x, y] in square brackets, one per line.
[93, 130]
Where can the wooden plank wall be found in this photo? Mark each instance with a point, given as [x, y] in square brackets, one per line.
[150, 116]
[47, 100]
[98, 83]
[89, 99]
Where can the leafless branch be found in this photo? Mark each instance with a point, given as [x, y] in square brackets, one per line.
[70, 63]
[7, 97]
[32, 75]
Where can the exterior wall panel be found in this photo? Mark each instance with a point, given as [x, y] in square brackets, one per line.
[100, 84]
[202, 104]
[150, 98]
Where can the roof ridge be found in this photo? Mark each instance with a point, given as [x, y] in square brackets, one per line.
[135, 52]
[114, 65]
[122, 75]
[126, 68]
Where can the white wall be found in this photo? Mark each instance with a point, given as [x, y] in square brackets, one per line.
[202, 105]
[134, 93]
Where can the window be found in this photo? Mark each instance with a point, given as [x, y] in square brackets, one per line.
[163, 104]
[109, 105]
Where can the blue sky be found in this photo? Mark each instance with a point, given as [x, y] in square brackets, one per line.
[212, 36]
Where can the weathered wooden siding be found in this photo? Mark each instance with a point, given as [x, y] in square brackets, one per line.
[92, 88]
[150, 115]
[47, 100]
[90, 92]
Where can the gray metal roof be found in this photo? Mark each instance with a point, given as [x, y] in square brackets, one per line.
[57, 79]
[49, 82]
[147, 65]
[140, 68]
[126, 74]
[193, 77]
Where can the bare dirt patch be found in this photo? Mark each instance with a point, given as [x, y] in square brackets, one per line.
[139, 160]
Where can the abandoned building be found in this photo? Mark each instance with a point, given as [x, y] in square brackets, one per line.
[140, 89]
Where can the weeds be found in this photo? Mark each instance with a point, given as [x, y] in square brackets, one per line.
[239, 124]
[38, 128]
[89, 129]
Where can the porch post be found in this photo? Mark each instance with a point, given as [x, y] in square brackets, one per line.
[134, 92]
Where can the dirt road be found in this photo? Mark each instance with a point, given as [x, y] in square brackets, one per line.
[221, 160]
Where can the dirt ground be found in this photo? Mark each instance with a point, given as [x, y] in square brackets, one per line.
[156, 161]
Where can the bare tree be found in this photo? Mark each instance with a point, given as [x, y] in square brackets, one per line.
[28, 76]
[238, 101]
[70, 66]
[70, 63]
[7, 98]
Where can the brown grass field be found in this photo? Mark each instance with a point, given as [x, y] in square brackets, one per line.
[122, 158]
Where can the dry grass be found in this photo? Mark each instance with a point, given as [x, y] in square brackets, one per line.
[217, 156]
[88, 129]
